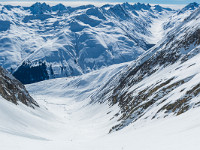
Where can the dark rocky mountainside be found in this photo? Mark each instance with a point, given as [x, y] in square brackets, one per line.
[13, 90]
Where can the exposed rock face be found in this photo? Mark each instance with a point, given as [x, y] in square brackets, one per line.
[14, 91]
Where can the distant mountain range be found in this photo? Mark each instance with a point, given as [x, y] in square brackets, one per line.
[42, 42]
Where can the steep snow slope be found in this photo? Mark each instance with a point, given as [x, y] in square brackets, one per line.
[65, 116]
[162, 82]
[179, 16]
[23, 121]
[63, 41]
[66, 119]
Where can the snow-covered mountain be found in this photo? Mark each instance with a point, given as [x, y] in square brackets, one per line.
[152, 102]
[63, 41]
[66, 119]
[162, 82]
[179, 16]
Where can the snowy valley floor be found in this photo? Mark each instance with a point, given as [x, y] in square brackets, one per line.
[66, 121]
[69, 126]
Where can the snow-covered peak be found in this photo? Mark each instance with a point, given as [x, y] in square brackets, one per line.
[179, 16]
[139, 6]
[195, 14]
[127, 6]
[160, 8]
[59, 7]
[96, 12]
[106, 6]
[189, 7]
[40, 8]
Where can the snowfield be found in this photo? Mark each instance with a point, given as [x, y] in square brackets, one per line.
[66, 121]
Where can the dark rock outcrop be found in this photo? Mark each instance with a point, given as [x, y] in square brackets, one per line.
[14, 91]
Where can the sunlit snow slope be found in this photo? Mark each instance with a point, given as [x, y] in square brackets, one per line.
[66, 119]
[162, 82]
[42, 42]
